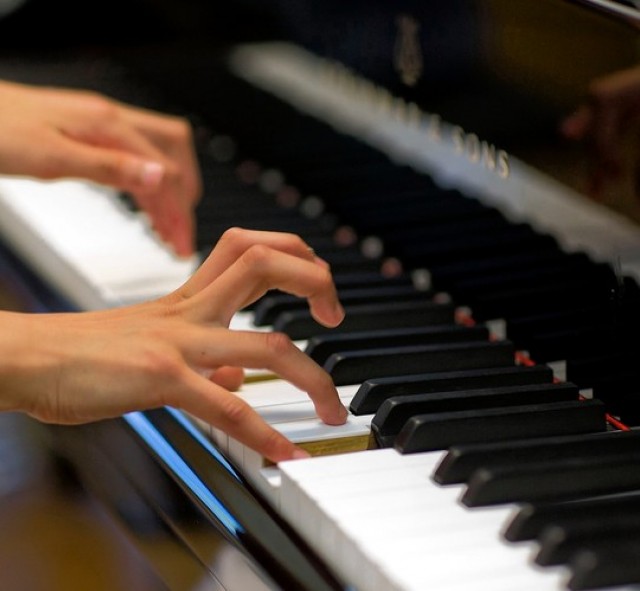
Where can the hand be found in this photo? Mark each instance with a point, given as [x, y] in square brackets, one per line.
[178, 350]
[53, 133]
[604, 121]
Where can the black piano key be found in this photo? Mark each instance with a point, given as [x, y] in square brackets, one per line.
[299, 324]
[559, 542]
[321, 347]
[485, 220]
[605, 565]
[527, 276]
[554, 480]
[373, 392]
[395, 412]
[576, 342]
[416, 213]
[452, 250]
[522, 329]
[588, 370]
[348, 260]
[531, 519]
[360, 279]
[447, 274]
[271, 306]
[353, 367]
[440, 431]
[462, 460]
[537, 299]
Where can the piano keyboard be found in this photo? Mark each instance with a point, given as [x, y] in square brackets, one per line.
[519, 245]
[77, 235]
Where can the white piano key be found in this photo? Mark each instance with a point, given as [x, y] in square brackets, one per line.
[369, 529]
[274, 392]
[305, 433]
[78, 236]
[271, 397]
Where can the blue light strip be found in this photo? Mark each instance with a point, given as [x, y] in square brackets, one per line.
[177, 465]
[206, 443]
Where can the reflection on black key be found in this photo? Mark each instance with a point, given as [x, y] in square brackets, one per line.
[439, 431]
[373, 392]
[606, 565]
[299, 324]
[320, 347]
[368, 279]
[353, 367]
[396, 411]
[559, 542]
[531, 519]
[272, 305]
[554, 480]
[461, 460]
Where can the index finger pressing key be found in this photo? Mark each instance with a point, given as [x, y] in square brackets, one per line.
[219, 407]
[213, 347]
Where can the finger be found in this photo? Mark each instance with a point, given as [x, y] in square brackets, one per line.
[215, 405]
[144, 179]
[174, 137]
[258, 270]
[230, 378]
[273, 351]
[234, 243]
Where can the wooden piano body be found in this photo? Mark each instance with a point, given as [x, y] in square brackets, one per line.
[468, 95]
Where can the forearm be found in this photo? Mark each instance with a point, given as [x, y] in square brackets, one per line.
[21, 373]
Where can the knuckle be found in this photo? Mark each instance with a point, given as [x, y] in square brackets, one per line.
[232, 237]
[325, 277]
[100, 106]
[278, 343]
[235, 412]
[256, 256]
[162, 364]
[180, 129]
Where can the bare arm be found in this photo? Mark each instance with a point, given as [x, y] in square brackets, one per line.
[178, 350]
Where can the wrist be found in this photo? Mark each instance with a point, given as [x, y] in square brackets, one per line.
[21, 374]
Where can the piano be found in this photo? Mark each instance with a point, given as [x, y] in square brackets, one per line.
[488, 356]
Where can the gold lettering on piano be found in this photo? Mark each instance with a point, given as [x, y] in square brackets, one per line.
[408, 60]
[468, 145]
[481, 152]
[435, 127]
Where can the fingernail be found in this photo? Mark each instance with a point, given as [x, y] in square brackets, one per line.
[345, 412]
[338, 310]
[300, 454]
[151, 174]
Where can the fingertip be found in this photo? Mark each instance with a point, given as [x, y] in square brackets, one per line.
[330, 316]
[150, 175]
[336, 416]
[230, 378]
[300, 454]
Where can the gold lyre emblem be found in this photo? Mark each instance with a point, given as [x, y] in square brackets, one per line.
[407, 51]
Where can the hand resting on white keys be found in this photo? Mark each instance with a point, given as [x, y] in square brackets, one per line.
[177, 350]
[54, 133]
